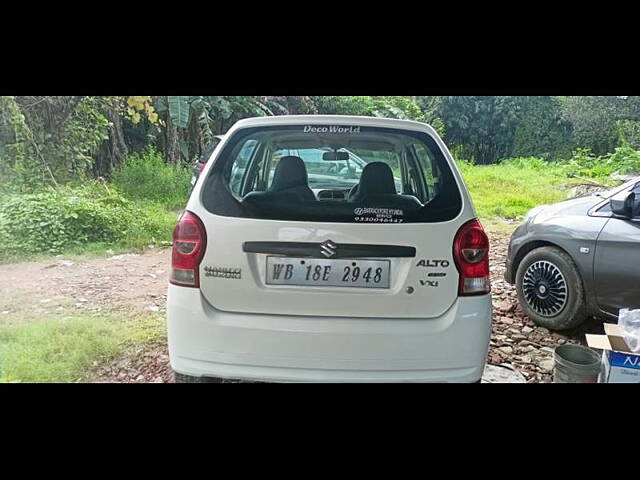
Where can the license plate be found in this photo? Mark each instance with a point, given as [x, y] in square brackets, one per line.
[314, 272]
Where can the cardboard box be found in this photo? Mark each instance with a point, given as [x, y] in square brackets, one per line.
[619, 363]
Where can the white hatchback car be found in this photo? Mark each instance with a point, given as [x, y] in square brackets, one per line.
[329, 249]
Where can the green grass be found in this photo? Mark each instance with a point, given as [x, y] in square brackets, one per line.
[510, 190]
[146, 176]
[64, 349]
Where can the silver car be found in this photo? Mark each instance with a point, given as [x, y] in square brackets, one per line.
[578, 258]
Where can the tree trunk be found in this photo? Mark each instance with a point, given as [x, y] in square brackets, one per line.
[172, 143]
[113, 151]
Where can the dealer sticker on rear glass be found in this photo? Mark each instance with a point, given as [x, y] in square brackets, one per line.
[379, 215]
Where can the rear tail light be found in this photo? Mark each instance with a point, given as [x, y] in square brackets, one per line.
[471, 254]
[202, 165]
[189, 243]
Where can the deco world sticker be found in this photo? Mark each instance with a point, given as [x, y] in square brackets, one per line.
[335, 129]
[378, 215]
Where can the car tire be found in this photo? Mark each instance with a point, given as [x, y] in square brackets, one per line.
[550, 289]
[181, 378]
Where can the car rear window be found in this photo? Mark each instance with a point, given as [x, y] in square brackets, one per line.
[332, 174]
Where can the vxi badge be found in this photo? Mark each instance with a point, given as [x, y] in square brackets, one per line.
[433, 264]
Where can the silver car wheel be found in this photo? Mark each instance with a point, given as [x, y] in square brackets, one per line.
[545, 288]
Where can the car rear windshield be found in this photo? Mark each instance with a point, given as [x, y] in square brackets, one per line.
[332, 174]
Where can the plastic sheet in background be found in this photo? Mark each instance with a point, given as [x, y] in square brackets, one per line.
[629, 323]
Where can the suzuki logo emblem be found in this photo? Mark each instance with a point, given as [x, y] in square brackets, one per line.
[328, 248]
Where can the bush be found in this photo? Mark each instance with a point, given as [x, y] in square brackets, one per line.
[147, 176]
[57, 220]
[584, 164]
[530, 163]
[624, 160]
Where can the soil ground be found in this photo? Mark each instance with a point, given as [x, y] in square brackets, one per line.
[138, 282]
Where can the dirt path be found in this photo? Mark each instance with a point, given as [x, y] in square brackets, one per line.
[65, 287]
[133, 280]
[139, 282]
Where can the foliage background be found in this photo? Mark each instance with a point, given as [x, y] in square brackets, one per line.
[52, 140]
[106, 172]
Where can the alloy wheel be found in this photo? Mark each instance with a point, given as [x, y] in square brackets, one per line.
[545, 288]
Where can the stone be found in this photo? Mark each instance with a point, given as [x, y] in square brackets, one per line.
[504, 306]
[502, 374]
[508, 350]
[546, 365]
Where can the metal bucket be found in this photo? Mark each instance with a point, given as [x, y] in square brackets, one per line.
[575, 364]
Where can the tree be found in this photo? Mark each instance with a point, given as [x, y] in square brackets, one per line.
[52, 138]
[430, 107]
[601, 123]
[593, 120]
[369, 106]
[192, 121]
[482, 127]
[541, 130]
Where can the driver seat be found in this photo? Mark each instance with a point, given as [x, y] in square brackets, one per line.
[377, 187]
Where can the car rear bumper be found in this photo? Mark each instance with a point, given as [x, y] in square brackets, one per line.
[204, 341]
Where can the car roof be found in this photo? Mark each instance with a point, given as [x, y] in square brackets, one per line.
[342, 120]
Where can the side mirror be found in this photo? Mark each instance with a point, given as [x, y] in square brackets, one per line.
[624, 205]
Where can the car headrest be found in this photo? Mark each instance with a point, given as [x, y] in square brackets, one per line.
[376, 179]
[290, 173]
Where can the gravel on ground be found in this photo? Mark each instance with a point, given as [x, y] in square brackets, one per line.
[139, 282]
